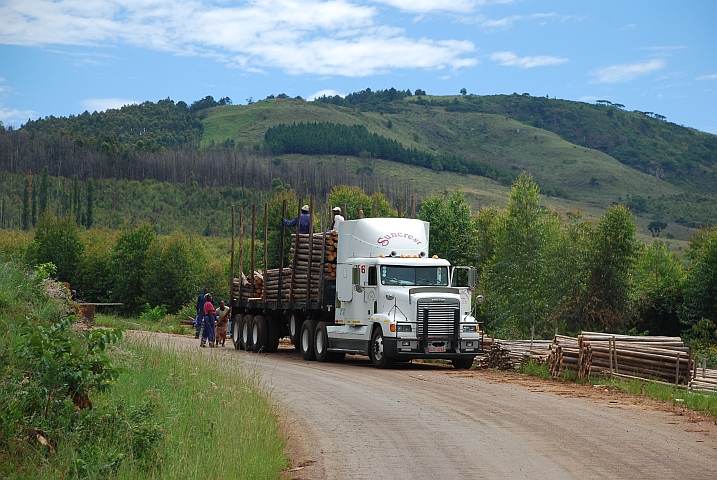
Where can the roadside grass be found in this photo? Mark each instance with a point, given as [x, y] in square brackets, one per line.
[216, 422]
[168, 324]
[705, 402]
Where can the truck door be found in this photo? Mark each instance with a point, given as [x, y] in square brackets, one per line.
[344, 282]
[464, 279]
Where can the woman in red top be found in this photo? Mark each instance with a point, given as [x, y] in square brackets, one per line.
[210, 319]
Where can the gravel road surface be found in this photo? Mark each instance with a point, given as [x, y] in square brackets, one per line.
[426, 421]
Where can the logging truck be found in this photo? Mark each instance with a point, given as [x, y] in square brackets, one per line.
[369, 289]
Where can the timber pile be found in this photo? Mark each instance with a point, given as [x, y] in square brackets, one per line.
[656, 358]
[520, 350]
[498, 357]
[704, 379]
[563, 355]
[323, 245]
[246, 290]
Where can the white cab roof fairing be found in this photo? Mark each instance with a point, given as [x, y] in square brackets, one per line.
[371, 237]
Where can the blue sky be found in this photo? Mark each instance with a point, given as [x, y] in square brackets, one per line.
[63, 57]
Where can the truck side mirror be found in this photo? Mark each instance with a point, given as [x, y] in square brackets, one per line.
[472, 278]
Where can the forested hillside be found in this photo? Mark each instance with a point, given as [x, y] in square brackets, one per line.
[585, 157]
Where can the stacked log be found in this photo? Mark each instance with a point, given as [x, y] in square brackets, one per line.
[246, 286]
[563, 354]
[521, 350]
[323, 246]
[657, 358]
[498, 358]
[703, 379]
[272, 285]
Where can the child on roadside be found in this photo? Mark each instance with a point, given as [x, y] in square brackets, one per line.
[222, 322]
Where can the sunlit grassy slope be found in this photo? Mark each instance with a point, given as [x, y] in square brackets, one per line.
[588, 180]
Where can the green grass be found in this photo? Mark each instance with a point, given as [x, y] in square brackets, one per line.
[705, 402]
[170, 324]
[217, 421]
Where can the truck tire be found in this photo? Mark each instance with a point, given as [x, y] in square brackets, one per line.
[246, 322]
[272, 344]
[321, 343]
[378, 355]
[295, 322]
[259, 334]
[308, 329]
[462, 363]
[236, 331]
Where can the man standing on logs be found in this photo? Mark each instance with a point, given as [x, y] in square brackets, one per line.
[304, 220]
[338, 218]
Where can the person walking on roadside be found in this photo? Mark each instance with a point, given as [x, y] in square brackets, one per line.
[210, 322]
[338, 218]
[304, 220]
[200, 312]
[222, 322]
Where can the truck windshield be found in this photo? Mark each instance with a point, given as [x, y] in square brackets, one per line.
[395, 275]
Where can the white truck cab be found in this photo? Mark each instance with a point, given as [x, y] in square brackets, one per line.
[394, 302]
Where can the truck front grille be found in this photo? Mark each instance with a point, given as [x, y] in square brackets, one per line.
[441, 318]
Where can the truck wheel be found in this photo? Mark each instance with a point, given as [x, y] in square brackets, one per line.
[236, 331]
[378, 354]
[259, 334]
[462, 363]
[295, 330]
[272, 344]
[308, 329]
[321, 343]
[246, 323]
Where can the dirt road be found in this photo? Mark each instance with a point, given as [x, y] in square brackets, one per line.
[417, 421]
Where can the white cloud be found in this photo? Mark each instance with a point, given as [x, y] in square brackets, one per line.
[334, 37]
[427, 6]
[510, 59]
[627, 72]
[509, 21]
[14, 117]
[327, 92]
[102, 104]
[708, 77]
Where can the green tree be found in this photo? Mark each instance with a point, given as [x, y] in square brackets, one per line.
[463, 91]
[611, 261]
[452, 234]
[659, 288]
[33, 204]
[701, 288]
[170, 277]
[514, 287]
[354, 197]
[44, 191]
[484, 228]
[94, 280]
[57, 240]
[127, 266]
[25, 219]
[89, 217]
[656, 227]
[76, 203]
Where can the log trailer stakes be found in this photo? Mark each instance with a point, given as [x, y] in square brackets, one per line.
[371, 289]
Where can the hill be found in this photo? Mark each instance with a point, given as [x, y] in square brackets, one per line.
[585, 157]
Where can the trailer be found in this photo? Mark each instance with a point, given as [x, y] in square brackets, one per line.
[369, 289]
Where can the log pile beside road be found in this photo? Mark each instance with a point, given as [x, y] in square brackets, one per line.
[663, 359]
[511, 353]
[704, 379]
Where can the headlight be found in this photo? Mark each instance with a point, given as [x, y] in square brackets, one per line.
[403, 328]
[469, 328]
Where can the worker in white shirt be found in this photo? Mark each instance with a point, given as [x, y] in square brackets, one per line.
[336, 220]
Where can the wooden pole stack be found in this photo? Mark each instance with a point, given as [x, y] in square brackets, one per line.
[563, 355]
[659, 358]
[703, 378]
